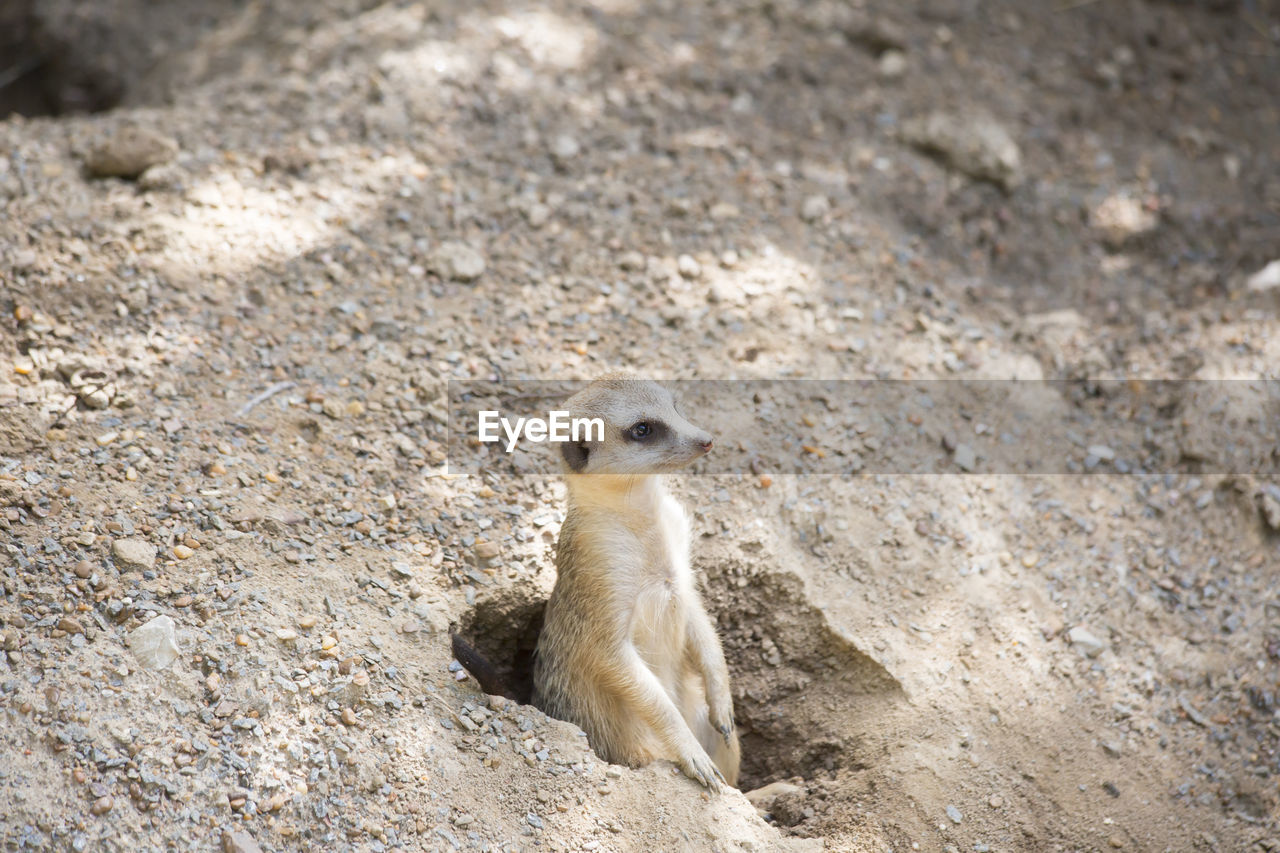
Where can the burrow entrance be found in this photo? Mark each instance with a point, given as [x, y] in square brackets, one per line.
[803, 695]
[45, 72]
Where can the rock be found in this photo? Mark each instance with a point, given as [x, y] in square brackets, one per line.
[457, 261]
[978, 146]
[954, 814]
[814, 208]
[538, 214]
[1267, 278]
[1085, 640]
[965, 457]
[892, 65]
[876, 33]
[155, 644]
[130, 152]
[631, 261]
[183, 552]
[93, 385]
[1192, 713]
[688, 267]
[102, 805]
[1119, 219]
[239, 841]
[162, 177]
[722, 210]
[136, 555]
[564, 148]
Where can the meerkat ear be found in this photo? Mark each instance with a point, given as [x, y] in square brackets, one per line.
[575, 454]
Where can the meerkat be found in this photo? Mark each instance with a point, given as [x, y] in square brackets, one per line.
[627, 649]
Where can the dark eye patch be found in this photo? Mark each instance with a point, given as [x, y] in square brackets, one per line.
[645, 432]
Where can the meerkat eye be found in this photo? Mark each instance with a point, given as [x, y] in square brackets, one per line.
[641, 430]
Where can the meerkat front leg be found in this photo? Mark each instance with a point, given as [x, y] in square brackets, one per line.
[708, 656]
[640, 688]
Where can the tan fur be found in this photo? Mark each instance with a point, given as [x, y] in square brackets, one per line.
[627, 650]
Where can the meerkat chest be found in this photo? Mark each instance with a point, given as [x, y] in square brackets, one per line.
[658, 623]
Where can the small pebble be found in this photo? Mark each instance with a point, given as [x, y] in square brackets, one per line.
[892, 65]
[133, 554]
[129, 152]
[458, 262]
[815, 207]
[155, 644]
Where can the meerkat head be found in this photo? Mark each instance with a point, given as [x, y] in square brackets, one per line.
[643, 432]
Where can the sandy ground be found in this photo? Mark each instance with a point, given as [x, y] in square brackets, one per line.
[223, 386]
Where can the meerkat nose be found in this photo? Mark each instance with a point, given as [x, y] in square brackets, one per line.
[707, 443]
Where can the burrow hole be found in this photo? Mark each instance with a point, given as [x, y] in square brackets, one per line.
[43, 73]
[802, 694]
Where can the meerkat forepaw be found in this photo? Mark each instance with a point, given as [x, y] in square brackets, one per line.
[702, 770]
[721, 716]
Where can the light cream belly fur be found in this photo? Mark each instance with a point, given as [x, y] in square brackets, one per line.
[660, 634]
